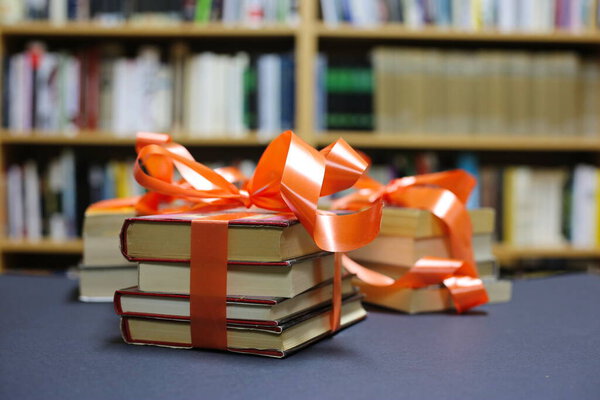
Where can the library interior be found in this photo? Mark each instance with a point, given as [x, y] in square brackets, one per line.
[407, 191]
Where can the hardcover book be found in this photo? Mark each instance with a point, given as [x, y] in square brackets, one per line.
[98, 284]
[273, 341]
[133, 302]
[101, 229]
[415, 223]
[432, 298]
[261, 237]
[405, 251]
[279, 279]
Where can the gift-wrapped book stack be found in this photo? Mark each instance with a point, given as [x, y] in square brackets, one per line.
[409, 234]
[279, 284]
[104, 269]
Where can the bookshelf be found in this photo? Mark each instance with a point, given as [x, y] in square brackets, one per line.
[308, 37]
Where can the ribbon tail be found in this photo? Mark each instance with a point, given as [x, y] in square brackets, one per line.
[336, 310]
[466, 292]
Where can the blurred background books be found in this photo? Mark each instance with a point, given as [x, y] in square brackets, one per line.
[505, 89]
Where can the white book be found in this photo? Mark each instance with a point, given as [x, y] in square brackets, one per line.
[33, 201]
[413, 14]
[252, 12]
[46, 94]
[507, 15]
[14, 206]
[231, 11]
[57, 10]
[235, 107]
[220, 96]
[190, 83]
[548, 186]
[71, 94]
[489, 14]
[364, 12]
[146, 81]
[120, 93]
[330, 12]
[584, 209]
[162, 100]
[528, 15]
[576, 21]
[269, 96]
[16, 93]
[202, 107]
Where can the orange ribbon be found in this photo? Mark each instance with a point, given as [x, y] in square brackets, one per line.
[290, 176]
[444, 194]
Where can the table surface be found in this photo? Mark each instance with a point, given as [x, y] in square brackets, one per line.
[545, 343]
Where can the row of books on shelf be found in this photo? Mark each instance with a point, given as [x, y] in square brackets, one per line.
[99, 88]
[548, 206]
[246, 12]
[471, 15]
[535, 206]
[420, 90]
[44, 201]
[48, 199]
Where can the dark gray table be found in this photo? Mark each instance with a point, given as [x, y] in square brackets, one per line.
[544, 344]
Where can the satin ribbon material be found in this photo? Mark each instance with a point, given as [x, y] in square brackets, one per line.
[444, 195]
[208, 284]
[290, 177]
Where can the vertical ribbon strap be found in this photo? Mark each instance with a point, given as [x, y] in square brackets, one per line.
[208, 284]
[208, 279]
[336, 310]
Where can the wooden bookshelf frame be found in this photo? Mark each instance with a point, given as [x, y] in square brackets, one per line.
[306, 37]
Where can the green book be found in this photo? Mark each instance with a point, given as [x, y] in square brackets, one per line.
[203, 8]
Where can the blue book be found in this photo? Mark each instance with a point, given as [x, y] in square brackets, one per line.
[470, 163]
[321, 91]
[69, 195]
[287, 91]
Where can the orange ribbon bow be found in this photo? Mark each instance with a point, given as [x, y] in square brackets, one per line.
[290, 177]
[444, 194]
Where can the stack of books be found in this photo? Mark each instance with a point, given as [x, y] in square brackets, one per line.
[104, 269]
[279, 285]
[409, 234]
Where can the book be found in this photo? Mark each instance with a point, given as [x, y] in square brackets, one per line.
[98, 284]
[431, 298]
[485, 268]
[405, 251]
[265, 237]
[277, 279]
[133, 302]
[101, 246]
[274, 341]
[415, 223]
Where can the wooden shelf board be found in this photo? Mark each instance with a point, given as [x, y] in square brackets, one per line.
[90, 29]
[462, 142]
[509, 252]
[91, 138]
[398, 31]
[44, 246]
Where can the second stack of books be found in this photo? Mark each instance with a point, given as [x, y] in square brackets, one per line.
[409, 234]
[279, 285]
